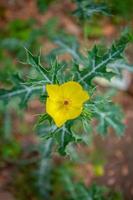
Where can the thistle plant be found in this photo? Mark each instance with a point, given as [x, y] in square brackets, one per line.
[68, 89]
[69, 92]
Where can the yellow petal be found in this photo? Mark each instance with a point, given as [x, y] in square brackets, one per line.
[54, 91]
[51, 106]
[53, 109]
[74, 112]
[59, 119]
[74, 91]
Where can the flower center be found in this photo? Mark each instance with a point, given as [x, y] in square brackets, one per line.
[66, 102]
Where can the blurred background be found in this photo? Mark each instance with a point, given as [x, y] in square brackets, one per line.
[104, 169]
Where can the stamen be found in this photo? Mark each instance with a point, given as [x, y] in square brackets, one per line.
[66, 102]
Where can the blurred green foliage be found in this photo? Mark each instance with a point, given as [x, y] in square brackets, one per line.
[124, 9]
[43, 4]
[76, 190]
[88, 8]
[16, 36]
[10, 150]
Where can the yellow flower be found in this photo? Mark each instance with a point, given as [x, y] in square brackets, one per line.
[65, 101]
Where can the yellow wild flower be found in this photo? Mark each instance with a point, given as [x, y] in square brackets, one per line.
[65, 101]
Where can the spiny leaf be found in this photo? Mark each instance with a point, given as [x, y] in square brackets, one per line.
[110, 116]
[56, 70]
[50, 75]
[119, 65]
[24, 92]
[63, 137]
[107, 114]
[70, 46]
[34, 61]
[87, 8]
[97, 64]
[43, 118]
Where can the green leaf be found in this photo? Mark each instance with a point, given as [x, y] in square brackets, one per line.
[43, 118]
[67, 45]
[34, 61]
[24, 92]
[98, 64]
[108, 115]
[57, 71]
[63, 137]
[87, 8]
[119, 65]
